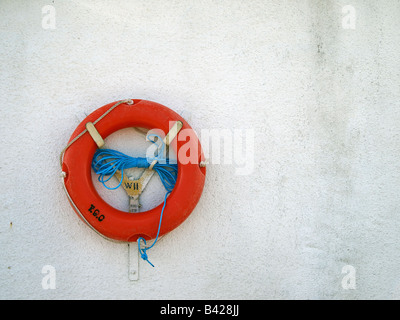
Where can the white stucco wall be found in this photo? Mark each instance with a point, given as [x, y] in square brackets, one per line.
[324, 105]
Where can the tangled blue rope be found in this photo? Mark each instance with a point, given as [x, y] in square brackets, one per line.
[106, 162]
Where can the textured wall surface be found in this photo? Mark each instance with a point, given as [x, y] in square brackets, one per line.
[322, 99]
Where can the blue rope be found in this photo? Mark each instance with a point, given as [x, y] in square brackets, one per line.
[142, 252]
[107, 161]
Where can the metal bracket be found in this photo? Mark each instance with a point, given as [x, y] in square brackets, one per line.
[133, 261]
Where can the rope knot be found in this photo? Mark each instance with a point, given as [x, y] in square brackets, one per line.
[144, 256]
[142, 252]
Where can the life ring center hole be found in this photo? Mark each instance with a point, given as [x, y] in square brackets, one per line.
[132, 142]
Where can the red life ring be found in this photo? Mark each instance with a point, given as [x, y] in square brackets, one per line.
[92, 209]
